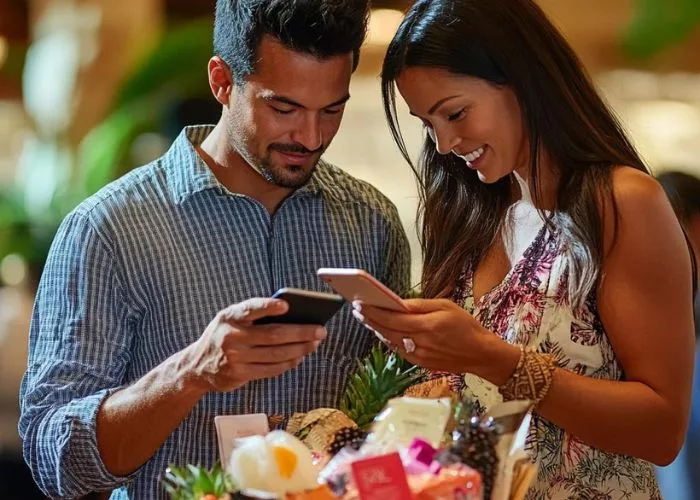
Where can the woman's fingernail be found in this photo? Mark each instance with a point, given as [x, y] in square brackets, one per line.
[359, 317]
[321, 333]
[357, 305]
[380, 337]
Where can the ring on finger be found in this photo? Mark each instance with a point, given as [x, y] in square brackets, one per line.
[409, 345]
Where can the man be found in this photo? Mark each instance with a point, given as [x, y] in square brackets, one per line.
[125, 377]
[681, 479]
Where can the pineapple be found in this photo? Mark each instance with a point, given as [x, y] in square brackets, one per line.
[197, 483]
[381, 376]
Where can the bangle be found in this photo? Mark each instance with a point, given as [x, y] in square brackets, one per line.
[532, 377]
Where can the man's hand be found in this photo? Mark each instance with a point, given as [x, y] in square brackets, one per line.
[232, 351]
[134, 422]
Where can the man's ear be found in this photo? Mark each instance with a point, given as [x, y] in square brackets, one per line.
[220, 80]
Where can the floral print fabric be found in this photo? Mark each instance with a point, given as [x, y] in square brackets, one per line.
[531, 307]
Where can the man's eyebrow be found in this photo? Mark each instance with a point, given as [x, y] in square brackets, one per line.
[290, 102]
[282, 100]
[339, 101]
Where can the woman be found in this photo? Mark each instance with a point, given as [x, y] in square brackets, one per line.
[556, 268]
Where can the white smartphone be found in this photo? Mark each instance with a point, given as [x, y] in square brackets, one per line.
[356, 284]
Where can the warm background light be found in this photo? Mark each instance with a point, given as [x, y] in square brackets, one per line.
[13, 270]
[382, 26]
[4, 49]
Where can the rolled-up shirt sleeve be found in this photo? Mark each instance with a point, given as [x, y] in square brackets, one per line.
[79, 345]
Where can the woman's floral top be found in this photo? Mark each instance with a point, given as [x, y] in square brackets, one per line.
[531, 307]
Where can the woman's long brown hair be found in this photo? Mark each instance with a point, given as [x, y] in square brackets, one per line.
[509, 42]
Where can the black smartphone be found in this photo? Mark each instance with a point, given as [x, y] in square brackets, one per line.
[305, 307]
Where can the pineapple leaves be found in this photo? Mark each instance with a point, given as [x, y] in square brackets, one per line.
[192, 483]
[381, 376]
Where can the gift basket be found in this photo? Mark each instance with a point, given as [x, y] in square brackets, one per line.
[398, 435]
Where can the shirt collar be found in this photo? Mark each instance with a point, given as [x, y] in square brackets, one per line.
[191, 175]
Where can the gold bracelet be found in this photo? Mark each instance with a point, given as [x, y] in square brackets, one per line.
[532, 377]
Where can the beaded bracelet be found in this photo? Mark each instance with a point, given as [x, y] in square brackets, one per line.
[532, 377]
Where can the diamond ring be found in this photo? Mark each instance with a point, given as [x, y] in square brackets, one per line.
[409, 345]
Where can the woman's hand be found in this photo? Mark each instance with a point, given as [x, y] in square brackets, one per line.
[441, 336]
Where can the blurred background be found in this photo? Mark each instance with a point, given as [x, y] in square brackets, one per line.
[92, 88]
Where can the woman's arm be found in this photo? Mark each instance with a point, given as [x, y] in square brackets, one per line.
[646, 308]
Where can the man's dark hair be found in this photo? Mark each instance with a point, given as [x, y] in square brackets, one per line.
[322, 28]
[684, 192]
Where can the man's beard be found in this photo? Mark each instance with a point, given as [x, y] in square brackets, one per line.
[265, 167]
[288, 176]
[279, 176]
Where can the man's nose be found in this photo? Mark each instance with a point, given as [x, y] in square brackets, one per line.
[309, 133]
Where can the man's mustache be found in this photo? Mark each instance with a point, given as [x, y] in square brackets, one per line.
[294, 149]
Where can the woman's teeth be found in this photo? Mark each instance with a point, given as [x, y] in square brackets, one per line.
[474, 155]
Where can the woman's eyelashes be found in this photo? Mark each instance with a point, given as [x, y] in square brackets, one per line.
[456, 116]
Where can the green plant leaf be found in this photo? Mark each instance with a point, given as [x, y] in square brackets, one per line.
[102, 154]
[659, 24]
[178, 64]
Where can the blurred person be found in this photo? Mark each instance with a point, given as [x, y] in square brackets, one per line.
[555, 270]
[16, 481]
[135, 346]
[15, 309]
[681, 479]
[683, 190]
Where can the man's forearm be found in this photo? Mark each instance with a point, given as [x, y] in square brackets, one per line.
[134, 422]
